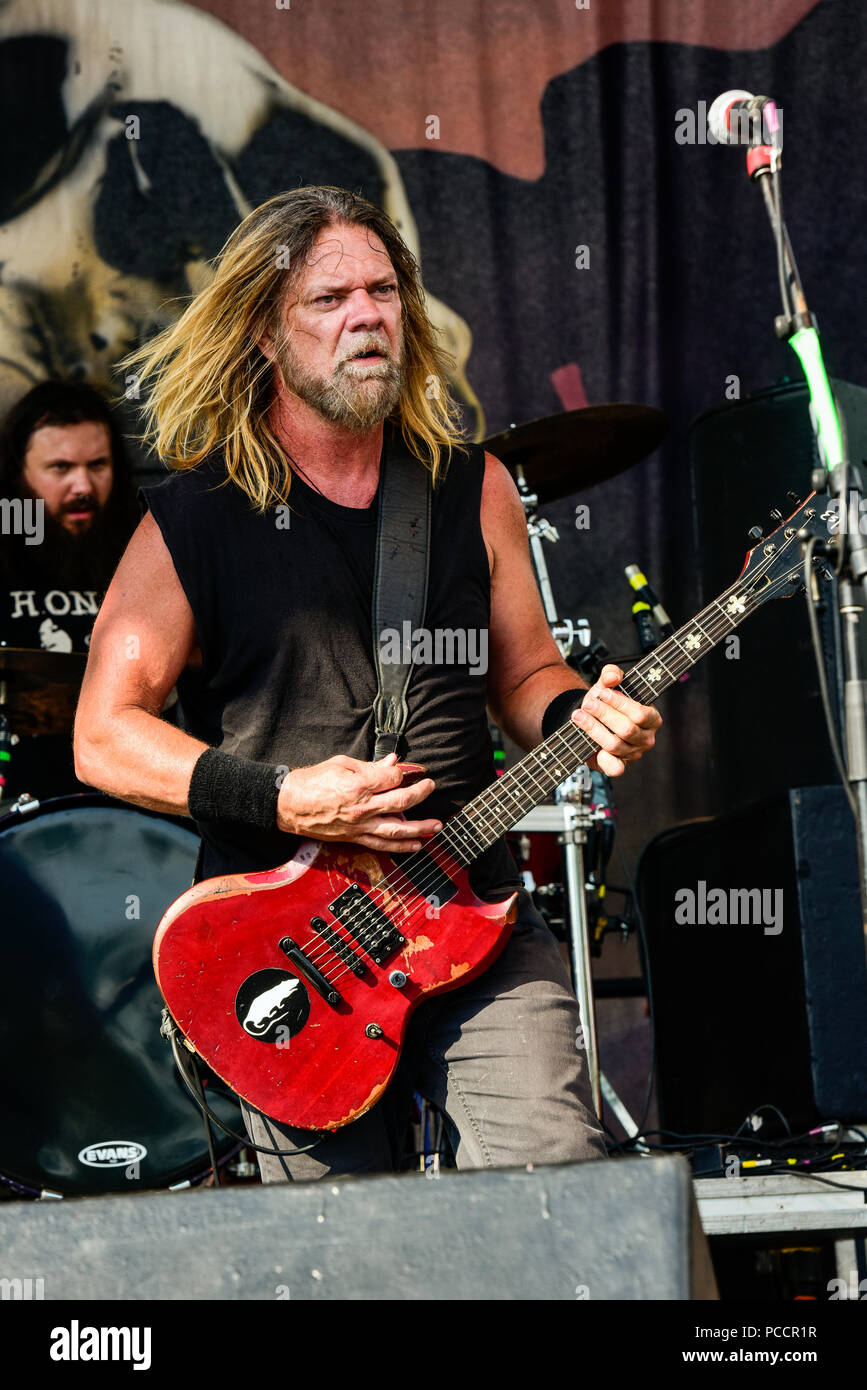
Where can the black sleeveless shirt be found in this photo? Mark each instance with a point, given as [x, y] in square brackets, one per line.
[282, 603]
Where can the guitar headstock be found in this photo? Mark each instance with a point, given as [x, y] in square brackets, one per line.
[774, 567]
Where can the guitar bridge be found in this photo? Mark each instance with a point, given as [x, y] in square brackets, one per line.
[365, 920]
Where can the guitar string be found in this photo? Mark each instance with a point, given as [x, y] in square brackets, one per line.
[720, 621]
[718, 630]
[750, 602]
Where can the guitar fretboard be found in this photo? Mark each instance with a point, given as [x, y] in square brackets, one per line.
[532, 780]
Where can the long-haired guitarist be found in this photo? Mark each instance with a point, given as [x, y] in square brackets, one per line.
[249, 585]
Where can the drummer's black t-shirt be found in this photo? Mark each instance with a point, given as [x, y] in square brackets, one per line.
[41, 612]
[37, 613]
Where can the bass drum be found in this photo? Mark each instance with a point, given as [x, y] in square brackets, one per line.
[89, 1096]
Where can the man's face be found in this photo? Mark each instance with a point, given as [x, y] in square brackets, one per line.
[70, 468]
[341, 349]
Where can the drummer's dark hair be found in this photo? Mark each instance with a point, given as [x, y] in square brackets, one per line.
[55, 403]
[59, 402]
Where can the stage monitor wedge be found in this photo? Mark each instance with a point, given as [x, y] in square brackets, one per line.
[616, 1229]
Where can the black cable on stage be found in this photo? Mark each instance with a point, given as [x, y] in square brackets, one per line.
[206, 1109]
[757, 1110]
[819, 655]
[209, 1137]
[775, 1166]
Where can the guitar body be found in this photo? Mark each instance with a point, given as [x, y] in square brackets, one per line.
[247, 1003]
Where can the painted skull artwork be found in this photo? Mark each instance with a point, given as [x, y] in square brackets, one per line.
[143, 133]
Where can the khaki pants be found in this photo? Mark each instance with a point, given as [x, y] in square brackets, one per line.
[501, 1058]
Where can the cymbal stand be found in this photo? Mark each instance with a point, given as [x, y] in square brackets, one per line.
[565, 631]
[572, 798]
[577, 817]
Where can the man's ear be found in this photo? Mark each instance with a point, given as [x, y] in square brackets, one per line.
[265, 344]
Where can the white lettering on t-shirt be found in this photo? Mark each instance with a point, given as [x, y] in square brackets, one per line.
[83, 603]
[57, 603]
[25, 603]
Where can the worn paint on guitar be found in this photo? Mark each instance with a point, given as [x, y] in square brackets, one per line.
[326, 1071]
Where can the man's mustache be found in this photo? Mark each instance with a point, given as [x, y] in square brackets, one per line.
[374, 345]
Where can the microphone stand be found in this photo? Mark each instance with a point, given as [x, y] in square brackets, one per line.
[797, 326]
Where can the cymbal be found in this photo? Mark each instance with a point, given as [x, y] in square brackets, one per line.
[41, 689]
[566, 453]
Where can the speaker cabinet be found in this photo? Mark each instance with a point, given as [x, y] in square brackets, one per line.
[769, 1011]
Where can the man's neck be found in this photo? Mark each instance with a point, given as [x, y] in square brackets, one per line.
[343, 464]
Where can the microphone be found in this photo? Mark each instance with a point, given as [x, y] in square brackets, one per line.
[739, 118]
[644, 591]
[644, 626]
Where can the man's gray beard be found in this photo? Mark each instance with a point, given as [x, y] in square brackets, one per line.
[346, 401]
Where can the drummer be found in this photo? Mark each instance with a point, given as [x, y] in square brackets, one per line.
[67, 510]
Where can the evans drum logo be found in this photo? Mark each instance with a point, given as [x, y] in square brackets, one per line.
[114, 1153]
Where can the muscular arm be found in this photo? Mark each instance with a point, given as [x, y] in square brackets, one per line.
[525, 668]
[142, 640]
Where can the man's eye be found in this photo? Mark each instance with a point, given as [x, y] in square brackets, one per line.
[387, 289]
[326, 298]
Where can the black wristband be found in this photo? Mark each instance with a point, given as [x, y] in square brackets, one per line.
[560, 708]
[226, 788]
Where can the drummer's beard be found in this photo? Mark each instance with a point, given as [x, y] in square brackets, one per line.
[70, 560]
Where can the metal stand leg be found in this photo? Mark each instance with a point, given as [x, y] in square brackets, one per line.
[573, 840]
[576, 819]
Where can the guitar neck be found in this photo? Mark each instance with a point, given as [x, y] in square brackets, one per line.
[531, 781]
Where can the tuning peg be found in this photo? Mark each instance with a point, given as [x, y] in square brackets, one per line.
[776, 515]
[755, 533]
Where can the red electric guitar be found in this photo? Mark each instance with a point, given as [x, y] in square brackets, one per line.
[296, 985]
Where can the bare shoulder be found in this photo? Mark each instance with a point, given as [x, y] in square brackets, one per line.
[145, 618]
[502, 515]
[145, 571]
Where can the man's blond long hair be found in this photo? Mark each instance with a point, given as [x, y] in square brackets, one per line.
[208, 386]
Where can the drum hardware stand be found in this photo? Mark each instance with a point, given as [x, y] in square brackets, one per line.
[565, 631]
[577, 819]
